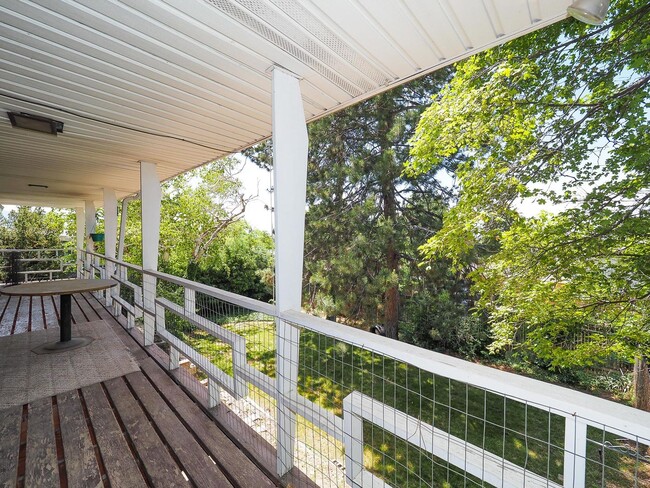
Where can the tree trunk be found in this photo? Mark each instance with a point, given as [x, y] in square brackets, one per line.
[388, 179]
[391, 297]
[641, 383]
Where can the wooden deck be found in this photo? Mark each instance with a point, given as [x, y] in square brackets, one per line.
[141, 429]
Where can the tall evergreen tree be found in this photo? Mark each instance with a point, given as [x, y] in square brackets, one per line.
[365, 220]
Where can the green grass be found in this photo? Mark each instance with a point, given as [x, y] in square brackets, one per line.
[329, 370]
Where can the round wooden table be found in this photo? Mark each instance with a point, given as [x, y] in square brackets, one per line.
[64, 288]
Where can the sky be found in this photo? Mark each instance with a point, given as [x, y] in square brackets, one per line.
[257, 181]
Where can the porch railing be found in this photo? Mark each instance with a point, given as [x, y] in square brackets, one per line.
[36, 264]
[364, 410]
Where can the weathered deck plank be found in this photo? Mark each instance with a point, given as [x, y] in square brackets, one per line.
[86, 308]
[10, 421]
[134, 348]
[21, 321]
[36, 315]
[41, 466]
[222, 449]
[9, 316]
[77, 315]
[160, 467]
[80, 462]
[199, 468]
[121, 467]
[51, 318]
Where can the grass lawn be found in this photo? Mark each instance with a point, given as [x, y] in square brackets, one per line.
[329, 370]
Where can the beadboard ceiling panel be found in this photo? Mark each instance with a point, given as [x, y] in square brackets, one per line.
[182, 82]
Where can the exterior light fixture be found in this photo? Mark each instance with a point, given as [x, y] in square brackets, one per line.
[34, 122]
[589, 11]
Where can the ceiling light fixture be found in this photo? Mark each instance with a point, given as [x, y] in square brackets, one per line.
[34, 122]
[589, 11]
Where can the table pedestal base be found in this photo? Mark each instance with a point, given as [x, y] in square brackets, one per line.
[54, 347]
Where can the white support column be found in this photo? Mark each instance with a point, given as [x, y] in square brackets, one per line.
[90, 228]
[81, 234]
[123, 219]
[290, 144]
[110, 236]
[150, 194]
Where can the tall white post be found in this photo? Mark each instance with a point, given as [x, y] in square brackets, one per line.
[110, 236]
[81, 235]
[290, 144]
[90, 228]
[150, 195]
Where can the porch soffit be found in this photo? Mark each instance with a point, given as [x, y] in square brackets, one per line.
[182, 82]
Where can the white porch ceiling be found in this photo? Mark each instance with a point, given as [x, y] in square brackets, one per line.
[182, 82]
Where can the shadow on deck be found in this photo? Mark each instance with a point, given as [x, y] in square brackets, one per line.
[140, 429]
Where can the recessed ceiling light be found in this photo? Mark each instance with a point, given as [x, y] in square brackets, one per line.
[34, 122]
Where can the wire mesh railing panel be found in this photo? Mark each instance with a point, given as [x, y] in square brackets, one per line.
[134, 276]
[616, 460]
[215, 351]
[349, 408]
[257, 329]
[319, 455]
[529, 438]
[258, 333]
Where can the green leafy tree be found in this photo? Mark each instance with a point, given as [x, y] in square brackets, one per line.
[32, 228]
[202, 236]
[559, 117]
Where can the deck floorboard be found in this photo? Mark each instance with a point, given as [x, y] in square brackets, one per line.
[10, 422]
[160, 467]
[41, 462]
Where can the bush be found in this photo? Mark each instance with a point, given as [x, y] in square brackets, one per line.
[437, 322]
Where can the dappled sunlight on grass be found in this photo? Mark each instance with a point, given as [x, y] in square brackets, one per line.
[329, 370]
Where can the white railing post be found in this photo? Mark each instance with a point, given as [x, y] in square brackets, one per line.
[575, 452]
[290, 143]
[352, 441]
[174, 358]
[190, 300]
[150, 191]
[214, 393]
[117, 308]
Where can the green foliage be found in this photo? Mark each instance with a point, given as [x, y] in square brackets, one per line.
[557, 117]
[365, 220]
[202, 236]
[242, 262]
[441, 323]
[32, 228]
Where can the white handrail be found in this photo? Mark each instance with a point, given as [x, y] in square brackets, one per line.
[615, 417]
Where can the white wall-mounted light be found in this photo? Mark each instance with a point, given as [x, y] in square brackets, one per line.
[589, 11]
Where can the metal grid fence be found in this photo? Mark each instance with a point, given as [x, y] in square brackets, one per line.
[357, 409]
